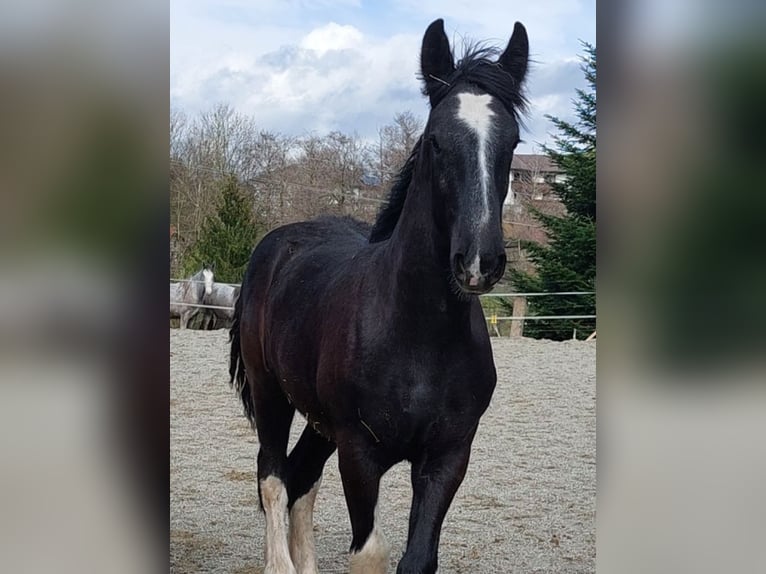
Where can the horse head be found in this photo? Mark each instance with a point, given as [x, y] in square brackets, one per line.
[208, 275]
[468, 144]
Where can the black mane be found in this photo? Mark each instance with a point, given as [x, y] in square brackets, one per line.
[392, 209]
[478, 67]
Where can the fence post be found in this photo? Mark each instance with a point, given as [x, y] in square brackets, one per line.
[519, 310]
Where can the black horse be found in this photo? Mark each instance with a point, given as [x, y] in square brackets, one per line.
[377, 337]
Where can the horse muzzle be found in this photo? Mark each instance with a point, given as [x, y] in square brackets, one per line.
[480, 274]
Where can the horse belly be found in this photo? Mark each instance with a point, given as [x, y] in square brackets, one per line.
[296, 362]
[302, 394]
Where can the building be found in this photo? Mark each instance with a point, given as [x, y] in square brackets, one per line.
[530, 187]
[531, 178]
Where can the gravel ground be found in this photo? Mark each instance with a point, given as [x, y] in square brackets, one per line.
[528, 502]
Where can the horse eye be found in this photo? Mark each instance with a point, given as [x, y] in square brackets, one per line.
[435, 144]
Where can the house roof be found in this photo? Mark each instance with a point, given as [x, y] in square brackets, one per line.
[534, 162]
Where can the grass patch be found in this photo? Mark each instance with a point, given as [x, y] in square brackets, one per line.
[192, 552]
[240, 476]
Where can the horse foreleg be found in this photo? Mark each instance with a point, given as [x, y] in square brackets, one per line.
[435, 480]
[361, 482]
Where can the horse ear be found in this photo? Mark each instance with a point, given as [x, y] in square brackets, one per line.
[516, 55]
[436, 63]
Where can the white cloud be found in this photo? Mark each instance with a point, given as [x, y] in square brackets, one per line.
[332, 78]
[550, 23]
[302, 74]
[332, 36]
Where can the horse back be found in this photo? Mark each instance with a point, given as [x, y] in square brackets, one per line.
[290, 272]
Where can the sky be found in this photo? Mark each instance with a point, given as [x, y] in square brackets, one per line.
[311, 66]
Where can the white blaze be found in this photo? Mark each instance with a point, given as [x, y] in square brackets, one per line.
[474, 271]
[474, 111]
[208, 276]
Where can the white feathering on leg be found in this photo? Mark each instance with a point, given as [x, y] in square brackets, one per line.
[274, 497]
[373, 557]
[302, 549]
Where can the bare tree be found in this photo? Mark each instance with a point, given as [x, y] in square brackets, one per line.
[325, 175]
[395, 143]
[204, 149]
[289, 179]
[178, 126]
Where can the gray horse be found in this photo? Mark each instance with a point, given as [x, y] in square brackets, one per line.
[222, 298]
[185, 294]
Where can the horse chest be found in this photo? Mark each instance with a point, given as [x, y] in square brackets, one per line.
[430, 401]
[446, 392]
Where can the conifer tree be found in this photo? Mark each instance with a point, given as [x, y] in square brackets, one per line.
[568, 262]
[228, 236]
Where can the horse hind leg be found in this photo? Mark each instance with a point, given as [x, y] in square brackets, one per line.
[273, 495]
[305, 465]
[273, 417]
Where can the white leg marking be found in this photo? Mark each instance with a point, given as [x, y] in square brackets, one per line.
[373, 557]
[274, 496]
[302, 548]
[474, 110]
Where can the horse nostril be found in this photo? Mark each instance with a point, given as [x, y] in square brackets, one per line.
[458, 263]
[493, 266]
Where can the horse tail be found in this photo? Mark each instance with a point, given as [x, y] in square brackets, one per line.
[238, 377]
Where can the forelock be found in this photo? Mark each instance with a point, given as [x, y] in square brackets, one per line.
[478, 67]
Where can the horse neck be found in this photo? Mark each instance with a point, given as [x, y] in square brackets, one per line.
[196, 287]
[418, 253]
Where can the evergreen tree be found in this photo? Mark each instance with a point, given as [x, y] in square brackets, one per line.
[227, 237]
[568, 262]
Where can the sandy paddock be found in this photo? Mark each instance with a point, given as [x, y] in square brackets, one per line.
[527, 504]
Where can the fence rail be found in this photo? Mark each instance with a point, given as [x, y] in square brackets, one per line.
[540, 317]
[539, 294]
[200, 305]
[201, 281]
[519, 308]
